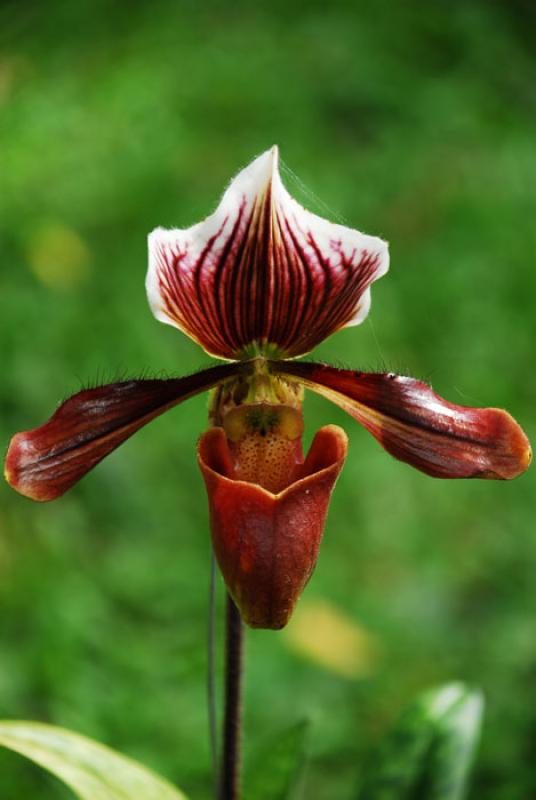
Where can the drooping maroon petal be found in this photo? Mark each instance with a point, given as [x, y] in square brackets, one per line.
[45, 462]
[262, 272]
[416, 425]
[267, 544]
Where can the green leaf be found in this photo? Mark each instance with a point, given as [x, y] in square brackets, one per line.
[451, 755]
[275, 770]
[91, 770]
[429, 753]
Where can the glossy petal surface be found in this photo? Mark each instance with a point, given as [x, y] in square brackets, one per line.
[262, 272]
[416, 425]
[45, 462]
[267, 544]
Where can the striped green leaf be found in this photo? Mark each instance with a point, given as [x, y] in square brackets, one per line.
[91, 770]
[429, 753]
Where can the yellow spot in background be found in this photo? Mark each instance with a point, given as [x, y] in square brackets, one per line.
[58, 256]
[326, 636]
[12, 69]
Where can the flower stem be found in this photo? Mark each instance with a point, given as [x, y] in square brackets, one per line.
[211, 676]
[232, 723]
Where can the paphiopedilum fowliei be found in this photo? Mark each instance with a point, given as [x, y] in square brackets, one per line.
[258, 283]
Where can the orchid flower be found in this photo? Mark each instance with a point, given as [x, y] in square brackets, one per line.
[257, 284]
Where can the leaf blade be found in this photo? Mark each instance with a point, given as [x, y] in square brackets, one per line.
[92, 770]
[428, 753]
[276, 770]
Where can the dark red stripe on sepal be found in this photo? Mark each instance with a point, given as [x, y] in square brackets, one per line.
[262, 272]
[417, 426]
[45, 462]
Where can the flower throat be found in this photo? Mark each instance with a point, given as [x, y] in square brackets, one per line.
[263, 422]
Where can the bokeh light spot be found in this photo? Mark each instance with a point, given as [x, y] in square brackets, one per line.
[58, 256]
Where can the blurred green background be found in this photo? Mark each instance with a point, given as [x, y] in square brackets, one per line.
[413, 121]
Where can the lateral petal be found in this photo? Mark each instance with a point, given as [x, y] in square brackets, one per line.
[262, 273]
[416, 425]
[45, 462]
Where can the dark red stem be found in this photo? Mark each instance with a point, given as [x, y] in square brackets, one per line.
[232, 722]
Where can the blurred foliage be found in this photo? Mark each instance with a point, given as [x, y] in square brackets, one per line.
[92, 771]
[276, 769]
[429, 753]
[413, 121]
